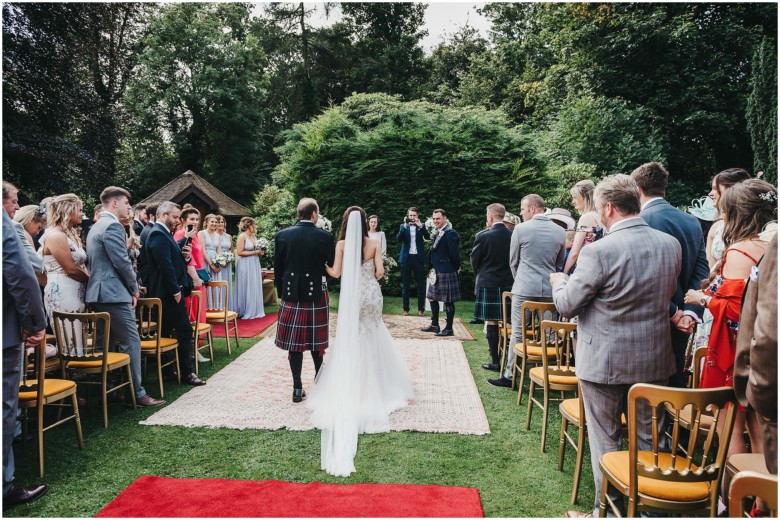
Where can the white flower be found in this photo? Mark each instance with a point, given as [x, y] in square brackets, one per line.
[324, 223]
[263, 243]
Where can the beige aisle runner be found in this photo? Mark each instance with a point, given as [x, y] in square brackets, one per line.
[255, 392]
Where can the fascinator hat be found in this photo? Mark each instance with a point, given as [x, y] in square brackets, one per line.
[703, 209]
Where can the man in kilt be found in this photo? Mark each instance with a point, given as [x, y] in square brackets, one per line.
[445, 261]
[301, 252]
[537, 249]
[490, 260]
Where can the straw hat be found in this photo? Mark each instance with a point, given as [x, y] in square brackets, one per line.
[563, 216]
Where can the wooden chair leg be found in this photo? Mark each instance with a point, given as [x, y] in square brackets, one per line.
[211, 348]
[530, 403]
[545, 415]
[39, 427]
[603, 496]
[178, 366]
[104, 387]
[562, 443]
[196, 351]
[77, 420]
[520, 385]
[132, 387]
[235, 332]
[227, 338]
[160, 375]
[578, 462]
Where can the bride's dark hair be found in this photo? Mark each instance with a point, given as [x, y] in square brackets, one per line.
[363, 223]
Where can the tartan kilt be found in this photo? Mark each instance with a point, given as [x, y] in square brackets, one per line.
[303, 326]
[446, 289]
[488, 304]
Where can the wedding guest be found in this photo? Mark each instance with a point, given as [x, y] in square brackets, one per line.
[490, 260]
[226, 246]
[151, 209]
[720, 183]
[139, 219]
[142, 259]
[568, 244]
[376, 234]
[42, 210]
[11, 207]
[249, 272]
[31, 220]
[211, 240]
[133, 249]
[445, 260]
[411, 234]
[190, 220]
[746, 207]
[589, 227]
[87, 224]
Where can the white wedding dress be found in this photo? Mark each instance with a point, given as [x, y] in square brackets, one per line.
[363, 379]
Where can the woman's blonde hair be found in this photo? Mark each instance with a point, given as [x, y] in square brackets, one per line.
[29, 214]
[59, 211]
[246, 222]
[207, 218]
[585, 189]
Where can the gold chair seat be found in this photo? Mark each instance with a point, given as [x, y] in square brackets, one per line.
[203, 327]
[534, 351]
[571, 408]
[113, 359]
[164, 342]
[616, 463]
[220, 316]
[554, 379]
[686, 416]
[50, 387]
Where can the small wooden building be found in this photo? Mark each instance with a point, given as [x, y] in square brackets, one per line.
[191, 188]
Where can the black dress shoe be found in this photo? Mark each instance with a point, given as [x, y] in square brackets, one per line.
[476, 321]
[501, 382]
[445, 332]
[21, 495]
[192, 380]
[494, 367]
[431, 328]
[298, 395]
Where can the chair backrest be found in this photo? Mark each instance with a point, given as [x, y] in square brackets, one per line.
[752, 484]
[558, 335]
[698, 357]
[149, 319]
[218, 291]
[705, 459]
[34, 371]
[196, 307]
[82, 336]
[532, 315]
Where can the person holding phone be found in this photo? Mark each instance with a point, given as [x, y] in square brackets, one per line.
[188, 235]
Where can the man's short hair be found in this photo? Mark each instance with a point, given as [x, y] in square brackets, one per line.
[621, 191]
[443, 213]
[533, 200]
[113, 192]
[151, 210]
[166, 207]
[497, 210]
[412, 209]
[98, 209]
[140, 207]
[306, 208]
[8, 190]
[652, 178]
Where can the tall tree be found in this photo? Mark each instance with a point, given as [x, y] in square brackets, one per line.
[762, 110]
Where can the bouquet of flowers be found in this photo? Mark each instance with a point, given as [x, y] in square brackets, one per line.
[324, 223]
[223, 259]
[263, 243]
[433, 230]
[389, 263]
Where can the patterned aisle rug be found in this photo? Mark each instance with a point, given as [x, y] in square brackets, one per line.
[254, 392]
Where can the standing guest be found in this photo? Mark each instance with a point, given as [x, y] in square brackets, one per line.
[445, 260]
[301, 254]
[64, 257]
[133, 249]
[755, 368]
[112, 285]
[43, 210]
[209, 237]
[11, 206]
[24, 324]
[621, 291]
[490, 260]
[249, 272]
[589, 227]
[376, 234]
[747, 207]
[190, 222]
[651, 179]
[168, 280]
[720, 183]
[562, 217]
[570, 233]
[226, 245]
[139, 219]
[151, 210]
[86, 225]
[536, 250]
[31, 220]
[142, 266]
[411, 234]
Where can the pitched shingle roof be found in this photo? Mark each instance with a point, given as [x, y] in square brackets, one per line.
[188, 183]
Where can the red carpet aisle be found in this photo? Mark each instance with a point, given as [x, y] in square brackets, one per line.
[247, 328]
[178, 498]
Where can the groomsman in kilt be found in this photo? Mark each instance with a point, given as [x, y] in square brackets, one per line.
[445, 261]
[490, 260]
[301, 252]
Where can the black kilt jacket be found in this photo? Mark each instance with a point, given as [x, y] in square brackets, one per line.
[300, 254]
[490, 257]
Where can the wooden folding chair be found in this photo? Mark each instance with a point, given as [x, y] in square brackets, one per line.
[220, 315]
[755, 485]
[153, 345]
[504, 328]
[200, 330]
[573, 412]
[529, 348]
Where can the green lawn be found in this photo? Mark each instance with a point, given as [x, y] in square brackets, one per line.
[514, 478]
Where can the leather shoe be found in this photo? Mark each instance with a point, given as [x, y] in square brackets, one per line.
[445, 332]
[21, 495]
[192, 380]
[148, 400]
[494, 367]
[430, 328]
[406, 313]
[476, 321]
[298, 395]
[421, 313]
[501, 382]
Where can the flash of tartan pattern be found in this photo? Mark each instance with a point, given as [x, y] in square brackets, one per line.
[488, 304]
[446, 289]
[303, 326]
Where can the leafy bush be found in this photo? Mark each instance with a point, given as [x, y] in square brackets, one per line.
[274, 209]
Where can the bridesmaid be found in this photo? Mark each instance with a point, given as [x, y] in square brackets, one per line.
[373, 232]
[225, 245]
[249, 272]
[209, 238]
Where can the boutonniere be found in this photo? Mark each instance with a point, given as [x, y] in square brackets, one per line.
[754, 273]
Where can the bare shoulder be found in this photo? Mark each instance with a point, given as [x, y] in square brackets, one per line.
[589, 219]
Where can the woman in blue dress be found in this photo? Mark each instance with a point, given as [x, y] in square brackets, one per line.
[249, 272]
[225, 246]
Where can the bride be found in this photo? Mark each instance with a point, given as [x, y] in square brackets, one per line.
[364, 380]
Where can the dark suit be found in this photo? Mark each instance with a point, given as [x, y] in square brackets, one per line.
[301, 252]
[138, 227]
[167, 277]
[662, 216]
[22, 309]
[412, 263]
[490, 257]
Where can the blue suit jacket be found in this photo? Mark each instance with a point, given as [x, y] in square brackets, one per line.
[445, 258]
[166, 269]
[405, 237]
[662, 216]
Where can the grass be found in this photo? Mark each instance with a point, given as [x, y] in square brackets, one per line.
[514, 478]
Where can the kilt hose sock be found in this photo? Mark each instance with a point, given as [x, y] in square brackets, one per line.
[435, 314]
[296, 366]
[450, 309]
[492, 339]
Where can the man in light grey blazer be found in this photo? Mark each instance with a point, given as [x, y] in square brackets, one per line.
[112, 285]
[537, 249]
[620, 292]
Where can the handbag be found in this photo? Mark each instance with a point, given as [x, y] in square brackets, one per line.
[204, 275]
[432, 277]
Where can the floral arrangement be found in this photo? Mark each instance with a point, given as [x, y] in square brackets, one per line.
[389, 264]
[324, 223]
[224, 259]
[263, 243]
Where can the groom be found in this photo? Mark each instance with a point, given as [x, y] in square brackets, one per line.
[301, 252]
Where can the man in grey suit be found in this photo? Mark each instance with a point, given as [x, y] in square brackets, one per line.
[24, 323]
[620, 292]
[537, 249]
[112, 285]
